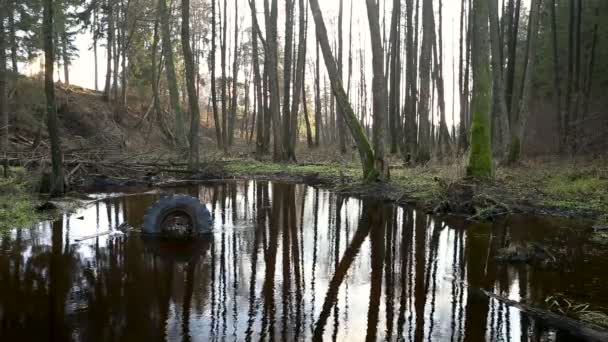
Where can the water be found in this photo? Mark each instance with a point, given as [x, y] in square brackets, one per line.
[286, 262]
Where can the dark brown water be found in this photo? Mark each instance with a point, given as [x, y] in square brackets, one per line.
[286, 262]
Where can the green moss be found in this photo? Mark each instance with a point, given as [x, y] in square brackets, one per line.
[17, 206]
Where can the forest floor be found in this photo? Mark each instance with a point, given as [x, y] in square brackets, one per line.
[98, 151]
[575, 188]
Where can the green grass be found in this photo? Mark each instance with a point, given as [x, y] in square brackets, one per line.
[582, 190]
[17, 205]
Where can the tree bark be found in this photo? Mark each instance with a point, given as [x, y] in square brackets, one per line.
[521, 115]
[109, 43]
[224, 29]
[3, 100]
[171, 77]
[273, 77]
[57, 183]
[235, 72]
[411, 84]
[395, 81]
[365, 150]
[428, 35]
[216, 118]
[191, 86]
[65, 57]
[500, 118]
[299, 82]
[480, 157]
[286, 134]
[556, 80]
[12, 35]
[317, 99]
[379, 90]
[257, 81]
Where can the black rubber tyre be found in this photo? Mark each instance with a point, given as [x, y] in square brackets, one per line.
[186, 206]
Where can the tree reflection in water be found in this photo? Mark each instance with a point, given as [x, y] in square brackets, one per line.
[283, 264]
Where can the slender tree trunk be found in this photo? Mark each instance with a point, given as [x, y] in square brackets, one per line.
[317, 99]
[462, 127]
[235, 72]
[273, 77]
[109, 44]
[339, 121]
[556, 80]
[57, 183]
[257, 81]
[12, 34]
[411, 84]
[511, 62]
[224, 29]
[590, 68]
[480, 158]
[156, 98]
[500, 119]
[190, 84]
[521, 115]
[180, 134]
[286, 134]
[428, 34]
[216, 118]
[95, 70]
[3, 100]
[309, 138]
[65, 57]
[379, 90]
[298, 82]
[365, 150]
[395, 74]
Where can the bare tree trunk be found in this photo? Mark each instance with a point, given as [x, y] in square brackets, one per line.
[379, 90]
[257, 81]
[395, 81]
[557, 81]
[286, 134]
[3, 100]
[428, 34]
[235, 72]
[480, 157]
[306, 118]
[193, 159]
[365, 150]
[521, 115]
[500, 118]
[109, 44]
[180, 134]
[65, 57]
[224, 29]
[411, 84]
[95, 39]
[317, 99]
[57, 183]
[590, 69]
[273, 77]
[12, 34]
[216, 118]
[339, 120]
[462, 128]
[299, 82]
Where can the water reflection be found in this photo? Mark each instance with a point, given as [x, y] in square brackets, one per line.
[286, 262]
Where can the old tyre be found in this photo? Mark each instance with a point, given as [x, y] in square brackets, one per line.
[177, 216]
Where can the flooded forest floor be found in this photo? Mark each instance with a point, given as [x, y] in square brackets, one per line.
[573, 188]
